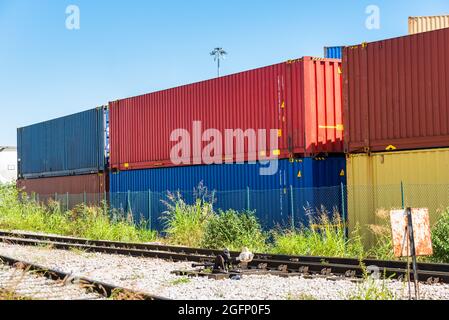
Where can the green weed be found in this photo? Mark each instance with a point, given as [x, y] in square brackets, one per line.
[180, 281]
[185, 224]
[234, 230]
[17, 212]
[326, 237]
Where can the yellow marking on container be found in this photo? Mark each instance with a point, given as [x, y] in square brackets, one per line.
[342, 173]
[276, 152]
[126, 165]
[340, 70]
[283, 105]
[391, 148]
[279, 133]
[263, 153]
[299, 174]
[338, 127]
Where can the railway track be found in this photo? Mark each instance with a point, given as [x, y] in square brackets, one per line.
[282, 265]
[24, 280]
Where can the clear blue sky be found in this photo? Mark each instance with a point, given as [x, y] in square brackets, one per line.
[125, 48]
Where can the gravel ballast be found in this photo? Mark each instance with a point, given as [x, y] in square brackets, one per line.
[153, 276]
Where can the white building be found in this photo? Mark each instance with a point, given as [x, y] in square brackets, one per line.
[8, 164]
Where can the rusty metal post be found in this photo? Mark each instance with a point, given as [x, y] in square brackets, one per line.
[413, 250]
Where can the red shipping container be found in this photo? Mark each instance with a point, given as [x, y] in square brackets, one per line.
[396, 93]
[84, 188]
[300, 100]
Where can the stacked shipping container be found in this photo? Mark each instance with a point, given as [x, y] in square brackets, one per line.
[395, 99]
[300, 100]
[64, 155]
[276, 199]
[396, 124]
[333, 52]
[425, 24]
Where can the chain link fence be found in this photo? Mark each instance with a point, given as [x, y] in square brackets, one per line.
[369, 205]
[285, 208]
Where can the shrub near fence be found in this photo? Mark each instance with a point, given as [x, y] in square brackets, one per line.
[287, 208]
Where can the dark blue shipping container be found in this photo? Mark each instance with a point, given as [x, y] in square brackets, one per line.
[333, 52]
[65, 146]
[298, 189]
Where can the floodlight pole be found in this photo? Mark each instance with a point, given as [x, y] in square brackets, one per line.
[218, 54]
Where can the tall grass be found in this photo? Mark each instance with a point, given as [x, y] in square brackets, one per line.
[326, 237]
[197, 225]
[83, 221]
[383, 246]
[185, 224]
[440, 239]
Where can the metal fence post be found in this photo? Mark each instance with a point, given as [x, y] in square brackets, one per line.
[128, 200]
[402, 195]
[104, 202]
[292, 204]
[149, 209]
[84, 198]
[343, 208]
[212, 200]
[38, 201]
[67, 201]
[248, 199]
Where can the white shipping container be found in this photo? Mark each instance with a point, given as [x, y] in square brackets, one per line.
[8, 164]
[425, 24]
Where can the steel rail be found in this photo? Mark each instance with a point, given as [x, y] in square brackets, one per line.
[104, 289]
[293, 264]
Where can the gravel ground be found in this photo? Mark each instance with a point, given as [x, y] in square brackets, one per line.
[153, 276]
[31, 286]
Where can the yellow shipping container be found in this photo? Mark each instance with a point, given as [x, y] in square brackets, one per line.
[383, 181]
[424, 24]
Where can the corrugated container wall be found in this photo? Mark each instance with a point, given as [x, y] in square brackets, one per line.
[65, 146]
[76, 189]
[297, 184]
[299, 100]
[396, 93]
[425, 24]
[396, 179]
[333, 52]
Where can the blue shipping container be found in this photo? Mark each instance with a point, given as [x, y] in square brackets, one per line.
[65, 146]
[333, 52]
[297, 189]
